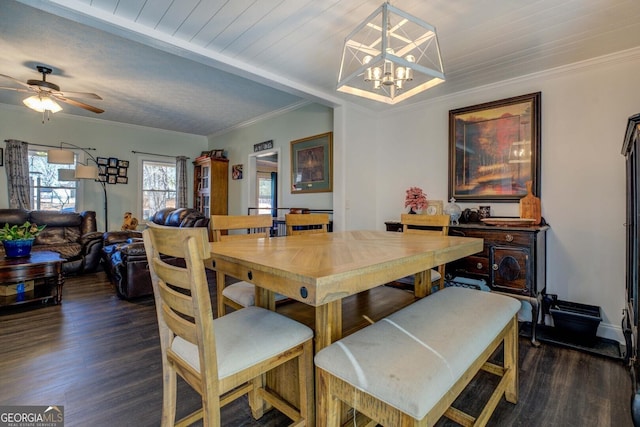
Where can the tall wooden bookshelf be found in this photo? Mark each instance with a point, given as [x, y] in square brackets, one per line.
[211, 186]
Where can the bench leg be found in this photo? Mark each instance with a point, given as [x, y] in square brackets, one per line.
[328, 407]
[511, 361]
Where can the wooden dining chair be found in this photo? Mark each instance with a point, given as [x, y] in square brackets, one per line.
[226, 358]
[228, 227]
[437, 225]
[306, 223]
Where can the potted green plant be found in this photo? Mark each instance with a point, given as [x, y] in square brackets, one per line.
[18, 239]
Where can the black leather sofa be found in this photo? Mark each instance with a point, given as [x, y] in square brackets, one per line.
[125, 260]
[72, 234]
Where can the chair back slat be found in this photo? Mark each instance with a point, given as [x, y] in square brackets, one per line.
[306, 223]
[434, 224]
[179, 325]
[178, 301]
[258, 226]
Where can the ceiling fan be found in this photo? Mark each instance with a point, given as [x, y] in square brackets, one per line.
[45, 91]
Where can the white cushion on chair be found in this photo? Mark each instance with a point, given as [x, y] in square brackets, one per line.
[413, 357]
[244, 293]
[246, 337]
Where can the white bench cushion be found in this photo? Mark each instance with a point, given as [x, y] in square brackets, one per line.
[413, 357]
[244, 293]
[246, 337]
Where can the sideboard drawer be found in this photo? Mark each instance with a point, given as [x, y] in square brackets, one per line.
[475, 265]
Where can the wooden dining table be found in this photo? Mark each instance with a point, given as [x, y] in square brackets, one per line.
[320, 270]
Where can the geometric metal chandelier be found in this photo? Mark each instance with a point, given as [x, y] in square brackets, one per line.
[390, 57]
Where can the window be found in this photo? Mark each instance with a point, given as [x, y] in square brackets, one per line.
[47, 191]
[158, 186]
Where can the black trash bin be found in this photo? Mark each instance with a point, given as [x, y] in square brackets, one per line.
[576, 323]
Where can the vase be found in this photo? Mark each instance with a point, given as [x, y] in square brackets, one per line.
[17, 248]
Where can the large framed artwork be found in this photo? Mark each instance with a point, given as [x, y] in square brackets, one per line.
[312, 164]
[494, 149]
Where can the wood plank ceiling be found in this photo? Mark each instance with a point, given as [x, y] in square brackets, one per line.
[289, 49]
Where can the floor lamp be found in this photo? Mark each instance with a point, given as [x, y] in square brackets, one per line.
[67, 157]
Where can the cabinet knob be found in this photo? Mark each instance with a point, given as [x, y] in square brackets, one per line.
[479, 266]
[508, 238]
[495, 267]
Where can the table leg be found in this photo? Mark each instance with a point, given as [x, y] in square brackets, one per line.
[422, 284]
[59, 283]
[328, 324]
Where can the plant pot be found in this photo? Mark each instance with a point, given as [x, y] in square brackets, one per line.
[17, 248]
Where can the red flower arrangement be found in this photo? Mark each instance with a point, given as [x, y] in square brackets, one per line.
[416, 199]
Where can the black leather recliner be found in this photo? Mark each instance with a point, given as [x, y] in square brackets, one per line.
[124, 257]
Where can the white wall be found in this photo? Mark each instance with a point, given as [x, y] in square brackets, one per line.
[110, 140]
[584, 113]
[309, 120]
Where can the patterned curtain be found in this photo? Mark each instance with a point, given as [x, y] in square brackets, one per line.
[181, 182]
[17, 168]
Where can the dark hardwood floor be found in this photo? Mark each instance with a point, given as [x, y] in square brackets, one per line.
[99, 357]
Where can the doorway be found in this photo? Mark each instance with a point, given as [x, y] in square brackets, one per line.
[264, 182]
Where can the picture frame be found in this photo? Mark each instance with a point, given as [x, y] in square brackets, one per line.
[122, 180]
[122, 171]
[434, 207]
[102, 161]
[112, 171]
[494, 149]
[102, 178]
[312, 164]
[113, 162]
[111, 179]
[216, 154]
[123, 163]
[236, 172]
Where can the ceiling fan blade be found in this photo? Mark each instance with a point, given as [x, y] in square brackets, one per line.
[79, 95]
[15, 80]
[79, 104]
[17, 89]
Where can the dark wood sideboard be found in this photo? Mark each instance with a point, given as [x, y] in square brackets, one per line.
[513, 261]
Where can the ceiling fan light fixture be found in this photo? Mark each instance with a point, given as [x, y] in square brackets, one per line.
[42, 103]
[60, 157]
[390, 57]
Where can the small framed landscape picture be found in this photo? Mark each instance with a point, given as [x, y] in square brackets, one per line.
[123, 163]
[113, 162]
[122, 180]
[111, 179]
[102, 161]
[122, 171]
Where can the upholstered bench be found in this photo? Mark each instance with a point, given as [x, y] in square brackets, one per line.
[408, 368]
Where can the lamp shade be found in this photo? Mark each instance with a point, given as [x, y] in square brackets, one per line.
[86, 172]
[60, 157]
[66, 175]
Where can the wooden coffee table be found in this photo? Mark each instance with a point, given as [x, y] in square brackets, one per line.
[44, 267]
